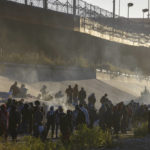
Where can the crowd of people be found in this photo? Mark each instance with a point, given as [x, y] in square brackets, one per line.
[22, 118]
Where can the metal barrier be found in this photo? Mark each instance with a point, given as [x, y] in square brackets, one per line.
[81, 7]
[94, 27]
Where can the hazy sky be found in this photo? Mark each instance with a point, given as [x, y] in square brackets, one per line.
[135, 11]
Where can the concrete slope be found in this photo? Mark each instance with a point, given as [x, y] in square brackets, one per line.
[129, 85]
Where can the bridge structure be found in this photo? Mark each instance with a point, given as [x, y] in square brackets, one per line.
[98, 22]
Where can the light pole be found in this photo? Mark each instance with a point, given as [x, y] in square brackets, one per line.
[144, 11]
[129, 5]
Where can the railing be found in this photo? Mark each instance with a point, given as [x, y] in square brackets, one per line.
[96, 28]
[82, 8]
[114, 75]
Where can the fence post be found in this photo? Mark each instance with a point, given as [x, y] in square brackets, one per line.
[45, 4]
[94, 12]
[84, 15]
[90, 10]
[74, 7]
[26, 2]
[67, 6]
[78, 6]
[85, 11]
[100, 11]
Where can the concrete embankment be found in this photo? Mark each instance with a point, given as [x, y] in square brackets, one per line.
[129, 85]
[58, 79]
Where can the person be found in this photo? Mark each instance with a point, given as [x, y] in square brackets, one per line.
[92, 115]
[44, 91]
[80, 120]
[59, 94]
[102, 112]
[31, 110]
[23, 91]
[91, 100]
[37, 120]
[69, 92]
[66, 126]
[149, 121]
[75, 94]
[75, 114]
[51, 121]
[59, 114]
[14, 89]
[84, 110]
[4, 120]
[26, 114]
[103, 99]
[82, 96]
[14, 121]
[116, 119]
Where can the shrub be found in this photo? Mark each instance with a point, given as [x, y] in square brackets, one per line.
[141, 130]
[82, 139]
[86, 138]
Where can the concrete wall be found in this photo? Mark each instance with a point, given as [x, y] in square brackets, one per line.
[39, 16]
[36, 73]
[25, 30]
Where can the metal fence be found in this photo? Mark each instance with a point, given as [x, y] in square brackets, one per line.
[82, 8]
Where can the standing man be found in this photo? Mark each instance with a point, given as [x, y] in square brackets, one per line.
[75, 94]
[82, 96]
[69, 92]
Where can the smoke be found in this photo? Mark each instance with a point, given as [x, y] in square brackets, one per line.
[114, 54]
[56, 102]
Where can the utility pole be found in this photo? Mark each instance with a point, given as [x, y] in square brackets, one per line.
[114, 8]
